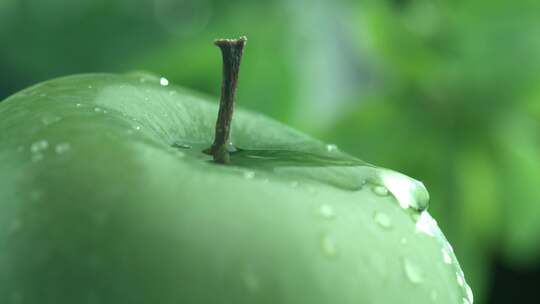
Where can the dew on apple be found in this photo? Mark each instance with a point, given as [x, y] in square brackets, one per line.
[383, 220]
[408, 192]
[163, 81]
[449, 246]
[97, 109]
[361, 184]
[48, 119]
[78, 105]
[380, 190]
[39, 146]
[328, 246]
[469, 293]
[181, 145]
[446, 256]
[310, 172]
[62, 148]
[459, 279]
[90, 86]
[413, 274]
[248, 174]
[331, 148]
[426, 224]
[326, 211]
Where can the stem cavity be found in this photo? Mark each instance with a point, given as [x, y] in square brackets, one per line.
[231, 50]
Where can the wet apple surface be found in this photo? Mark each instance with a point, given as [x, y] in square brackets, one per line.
[107, 197]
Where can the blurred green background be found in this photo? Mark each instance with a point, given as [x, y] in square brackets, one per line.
[445, 91]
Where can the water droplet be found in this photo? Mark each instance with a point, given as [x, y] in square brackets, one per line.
[248, 174]
[39, 146]
[89, 86]
[97, 109]
[459, 279]
[426, 224]
[181, 145]
[48, 119]
[138, 128]
[469, 292]
[361, 184]
[446, 256]
[328, 247]
[403, 241]
[163, 81]
[331, 148]
[408, 192]
[78, 105]
[62, 148]
[326, 211]
[382, 220]
[465, 301]
[413, 274]
[380, 190]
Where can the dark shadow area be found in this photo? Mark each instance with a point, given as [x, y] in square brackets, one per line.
[513, 285]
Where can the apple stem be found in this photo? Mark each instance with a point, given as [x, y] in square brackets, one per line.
[231, 50]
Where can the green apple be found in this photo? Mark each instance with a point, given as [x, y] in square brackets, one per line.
[106, 197]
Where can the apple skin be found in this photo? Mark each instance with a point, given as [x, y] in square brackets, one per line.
[98, 206]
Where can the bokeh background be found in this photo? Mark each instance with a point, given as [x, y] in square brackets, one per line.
[445, 91]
